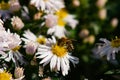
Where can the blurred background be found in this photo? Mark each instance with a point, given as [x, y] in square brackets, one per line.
[97, 19]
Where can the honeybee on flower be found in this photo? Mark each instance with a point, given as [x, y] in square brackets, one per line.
[57, 55]
[108, 48]
[67, 43]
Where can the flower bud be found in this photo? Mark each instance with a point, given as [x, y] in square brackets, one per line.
[14, 5]
[48, 78]
[102, 13]
[114, 22]
[18, 72]
[30, 48]
[76, 3]
[38, 15]
[84, 33]
[17, 23]
[90, 39]
[101, 3]
[51, 20]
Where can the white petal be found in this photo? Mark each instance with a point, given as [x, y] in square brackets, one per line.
[25, 40]
[46, 58]
[105, 40]
[46, 62]
[54, 40]
[51, 30]
[58, 64]
[50, 41]
[38, 53]
[29, 35]
[60, 31]
[74, 60]
[108, 56]
[9, 57]
[63, 67]
[44, 47]
[4, 55]
[66, 61]
[53, 62]
[43, 55]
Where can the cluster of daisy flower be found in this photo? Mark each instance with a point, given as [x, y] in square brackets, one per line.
[9, 51]
[53, 51]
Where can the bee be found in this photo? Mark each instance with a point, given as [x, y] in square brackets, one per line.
[67, 43]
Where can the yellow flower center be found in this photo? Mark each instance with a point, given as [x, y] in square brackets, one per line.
[16, 48]
[5, 76]
[4, 6]
[61, 15]
[59, 51]
[115, 43]
[41, 40]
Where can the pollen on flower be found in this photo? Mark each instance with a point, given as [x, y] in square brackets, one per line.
[59, 51]
[61, 22]
[61, 15]
[5, 76]
[16, 48]
[41, 40]
[115, 43]
[4, 5]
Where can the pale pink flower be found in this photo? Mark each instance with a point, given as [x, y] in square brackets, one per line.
[17, 23]
[50, 20]
[14, 5]
[101, 3]
[30, 48]
[19, 72]
[102, 14]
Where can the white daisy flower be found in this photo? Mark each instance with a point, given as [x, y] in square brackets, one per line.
[108, 48]
[63, 18]
[57, 56]
[12, 43]
[31, 40]
[48, 5]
